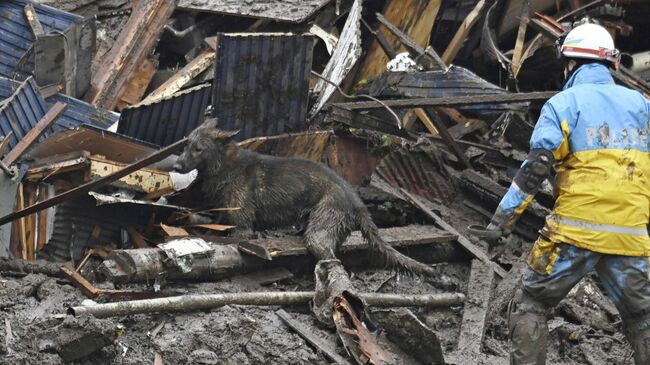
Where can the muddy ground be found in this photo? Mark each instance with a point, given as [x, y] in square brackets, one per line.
[35, 329]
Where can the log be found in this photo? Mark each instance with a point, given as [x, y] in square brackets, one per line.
[143, 265]
[186, 303]
[30, 267]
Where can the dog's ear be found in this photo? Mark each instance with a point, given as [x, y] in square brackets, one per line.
[228, 134]
[221, 136]
[210, 123]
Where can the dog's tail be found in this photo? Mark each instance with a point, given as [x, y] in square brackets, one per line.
[391, 258]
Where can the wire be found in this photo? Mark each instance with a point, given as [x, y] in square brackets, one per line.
[360, 96]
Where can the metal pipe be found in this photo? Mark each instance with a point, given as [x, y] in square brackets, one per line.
[186, 303]
[637, 62]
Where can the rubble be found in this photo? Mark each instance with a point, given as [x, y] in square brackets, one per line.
[424, 106]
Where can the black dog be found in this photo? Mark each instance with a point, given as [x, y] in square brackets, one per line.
[277, 192]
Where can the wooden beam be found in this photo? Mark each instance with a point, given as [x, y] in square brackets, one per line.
[466, 243]
[450, 100]
[414, 17]
[85, 188]
[449, 140]
[35, 133]
[32, 19]
[326, 347]
[463, 31]
[199, 64]
[132, 46]
[133, 90]
[426, 121]
[473, 325]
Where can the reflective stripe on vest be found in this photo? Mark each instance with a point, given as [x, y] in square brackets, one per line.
[597, 226]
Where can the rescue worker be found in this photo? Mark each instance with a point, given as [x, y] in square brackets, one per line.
[595, 134]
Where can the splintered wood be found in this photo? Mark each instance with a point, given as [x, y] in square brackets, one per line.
[413, 17]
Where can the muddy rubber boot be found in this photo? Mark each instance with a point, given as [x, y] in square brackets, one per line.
[331, 280]
[528, 330]
[638, 333]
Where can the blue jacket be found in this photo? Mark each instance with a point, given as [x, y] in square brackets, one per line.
[598, 134]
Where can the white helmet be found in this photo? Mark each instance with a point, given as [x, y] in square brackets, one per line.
[590, 41]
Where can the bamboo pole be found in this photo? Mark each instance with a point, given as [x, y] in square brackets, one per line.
[186, 303]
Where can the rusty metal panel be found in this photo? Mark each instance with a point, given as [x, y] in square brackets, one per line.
[17, 36]
[418, 171]
[295, 11]
[79, 112]
[166, 121]
[261, 83]
[21, 111]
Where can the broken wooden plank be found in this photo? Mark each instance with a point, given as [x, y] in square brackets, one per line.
[322, 345]
[91, 292]
[451, 100]
[355, 334]
[412, 235]
[135, 87]
[85, 188]
[175, 83]
[517, 59]
[427, 56]
[414, 17]
[449, 140]
[132, 46]
[32, 19]
[466, 26]
[35, 133]
[472, 328]
[467, 244]
[345, 56]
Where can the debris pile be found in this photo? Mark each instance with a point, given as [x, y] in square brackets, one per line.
[423, 107]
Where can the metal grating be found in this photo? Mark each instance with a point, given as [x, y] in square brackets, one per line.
[21, 111]
[261, 83]
[17, 36]
[166, 121]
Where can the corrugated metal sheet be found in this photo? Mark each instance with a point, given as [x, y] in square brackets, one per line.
[74, 223]
[7, 87]
[169, 120]
[261, 83]
[21, 111]
[22, 106]
[79, 112]
[276, 10]
[17, 36]
[417, 171]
